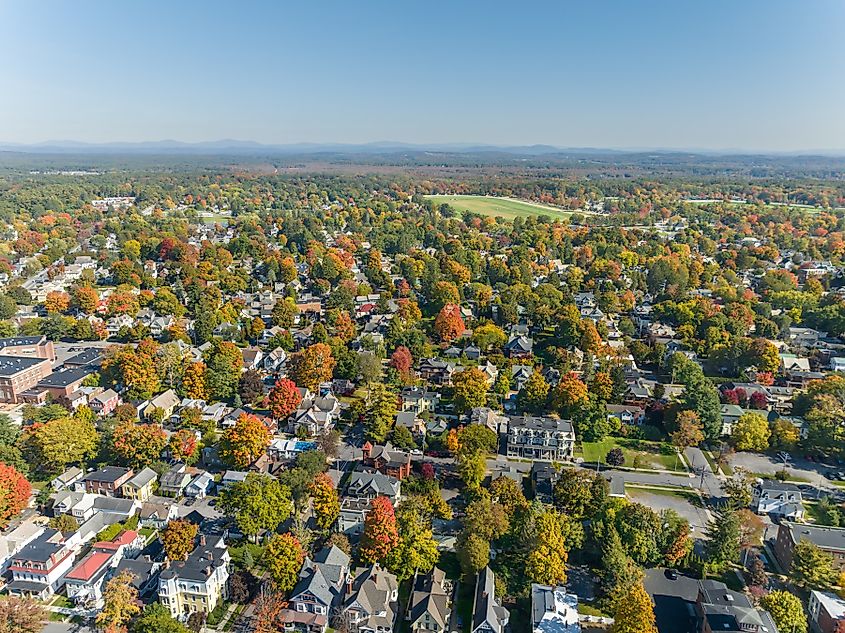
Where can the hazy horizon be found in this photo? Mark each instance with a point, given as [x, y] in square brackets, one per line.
[753, 77]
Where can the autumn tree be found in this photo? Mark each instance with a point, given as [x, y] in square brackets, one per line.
[570, 397]
[59, 442]
[312, 365]
[258, 503]
[120, 603]
[57, 301]
[751, 433]
[380, 532]
[284, 313]
[284, 398]
[14, 493]
[326, 503]
[470, 389]
[401, 360]
[534, 394]
[244, 442]
[634, 612]
[250, 386]
[811, 566]
[284, 557]
[21, 615]
[416, 551]
[183, 446]
[193, 381]
[86, 299]
[546, 562]
[178, 539]
[688, 431]
[787, 611]
[138, 444]
[381, 411]
[156, 618]
[136, 369]
[448, 325]
[489, 335]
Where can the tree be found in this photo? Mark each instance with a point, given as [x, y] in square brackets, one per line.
[689, 432]
[416, 550]
[312, 365]
[473, 552]
[60, 442]
[120, 603]
[546, 563]
[156, 618]
[329, 443]
[138, 444]
[223, 362]
[284, 313]
[579, 493]
[193, 381]
[369, 367]
[380, 532]
[570, 397]
[57, 301]
[787, 611]
[284, 398]
[634, 612]
[723, 540]
[401, 360]
[284, 558]
[738, 489]
[14, 493]
[241, 586]
[381, 411]
[785, 435]
[472, 469]
[86, 299]
[534, 393]
[183, 446]
[489, 335]
[751, 529]
[250, 386]
[615, 457]
[699, 395]
[811, 566]
[178, 539]
[402, 438]
[470, 387]
[268, 606]
[448, 325]
[258, 503]
[21, 615]
[751, 433]
[244, 442]
[326, 504]
[64, 523]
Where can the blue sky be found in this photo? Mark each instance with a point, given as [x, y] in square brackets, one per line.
[717, 74]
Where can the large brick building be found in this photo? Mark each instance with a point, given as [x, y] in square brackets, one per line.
[828, 539]
[19, 373]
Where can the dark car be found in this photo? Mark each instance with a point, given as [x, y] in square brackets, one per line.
[672, 574]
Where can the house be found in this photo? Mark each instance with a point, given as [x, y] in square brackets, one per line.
[200, 486]
[231, 477]
[175, 480]
[140, 486]
[39, 567]
[828, 539]
[318, 591]
[371, 603]
[12, 542]
[437, 371]
[67, 479]
[85, 581]
[494, 421]
[157, 515]
[827, 612]
[104, 402]
[410, 421]
[387, 460]
[353, 512]
[369, 485]
[544, 438]
[626, 413]
[519, 347]
[418, 400]
[315, 414]
[730, 414]
[105, 481]
[430, 603]
[777, 498]
[520, 375]
[84, 506]
[198, 584]
[252, 357]
[165, 402]
[488, 615]
[543, 478]
[553, 610]
[274, 360]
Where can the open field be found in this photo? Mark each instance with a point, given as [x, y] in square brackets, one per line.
[508, 208]
[638, 453]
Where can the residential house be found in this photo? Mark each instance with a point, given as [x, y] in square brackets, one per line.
[318, 591]
[631, 415]
[200, 486]
[157, 515]
[67, 479]
[315, 414]
[730, 414]
[252, 357]
[519, 347]
[353, 512]
[778, 499]
[165, 403]
[105, 481]
[387, 459]
[553, 610]
[104, 402]
[198, 584]
[496, 422]
[140, 486]
[418, 400]
[273, 361]
[39, 567]
[369, 485]
[13, 541]
[430, 604]
[543, 478]
[543, 438]
[83, 506]
[175, 480]
[409, 419]
[84, 583]
[828, 539]
[371, 603]
[488, 615]
[827, 612]
[437, 371]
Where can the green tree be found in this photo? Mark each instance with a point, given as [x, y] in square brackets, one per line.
[811, 566]
[723, 540]
[534, 394]
[223, 363]
[381, 411]
[416, 551]
[634, 612]
[751, 433]
[470, 388]
[258, 503]
[546, 563]
[284, 557]
[156, 618]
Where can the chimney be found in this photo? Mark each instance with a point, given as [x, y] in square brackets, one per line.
[202, 540]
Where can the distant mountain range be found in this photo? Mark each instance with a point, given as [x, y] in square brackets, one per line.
[236, 147]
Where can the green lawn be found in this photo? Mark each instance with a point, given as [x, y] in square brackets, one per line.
[638, 453]
[508, 208]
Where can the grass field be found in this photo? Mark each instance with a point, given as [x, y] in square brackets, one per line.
[508, 208]
[638, 453]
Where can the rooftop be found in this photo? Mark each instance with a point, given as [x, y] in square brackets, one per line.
[11, 365]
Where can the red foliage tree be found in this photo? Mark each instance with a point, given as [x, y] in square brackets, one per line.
[758, 400]
[402, 360]
[14, 493]
[449, 325]
[284, 398]
[380, 532]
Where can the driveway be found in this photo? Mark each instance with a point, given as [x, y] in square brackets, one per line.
[696, 515]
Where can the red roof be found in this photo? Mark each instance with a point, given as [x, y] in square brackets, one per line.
[89, 566]
[367, 446]
[124, 538]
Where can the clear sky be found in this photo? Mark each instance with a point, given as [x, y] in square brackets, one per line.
[719, 74]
